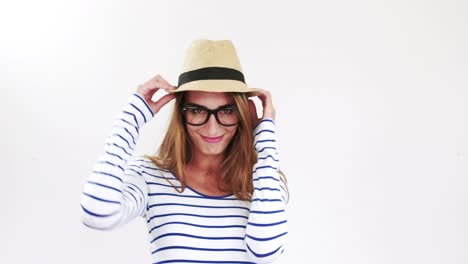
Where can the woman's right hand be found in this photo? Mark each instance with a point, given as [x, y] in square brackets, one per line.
[149, 88]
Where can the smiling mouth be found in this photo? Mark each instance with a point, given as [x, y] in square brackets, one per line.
[212, 140]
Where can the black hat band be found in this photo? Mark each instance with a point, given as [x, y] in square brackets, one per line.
[211, 73]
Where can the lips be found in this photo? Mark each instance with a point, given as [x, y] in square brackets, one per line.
[212, 139]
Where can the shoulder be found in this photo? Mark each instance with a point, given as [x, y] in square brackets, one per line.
[149, 168]
[144, 162]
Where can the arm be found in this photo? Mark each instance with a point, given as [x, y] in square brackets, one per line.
[115, 191]
[267, 229]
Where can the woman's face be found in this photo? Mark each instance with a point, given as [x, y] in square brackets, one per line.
[210, 138]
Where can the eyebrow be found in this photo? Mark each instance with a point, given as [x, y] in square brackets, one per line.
[202, 106]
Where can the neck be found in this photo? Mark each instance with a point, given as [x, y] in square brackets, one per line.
[206, 164]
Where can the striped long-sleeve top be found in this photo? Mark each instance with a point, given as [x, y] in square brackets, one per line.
[187, 227]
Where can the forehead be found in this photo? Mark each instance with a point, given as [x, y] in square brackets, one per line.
[208, 99]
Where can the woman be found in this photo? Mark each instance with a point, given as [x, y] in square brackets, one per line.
[201, 199]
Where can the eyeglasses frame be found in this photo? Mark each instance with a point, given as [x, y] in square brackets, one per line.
[209, 111]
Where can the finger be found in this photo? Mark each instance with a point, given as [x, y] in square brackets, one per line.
[163, 84]
[162, 101]
[156, 83]
[147, 89]
[253, 112]
[261, 96]
[265, 98]
[267, 103]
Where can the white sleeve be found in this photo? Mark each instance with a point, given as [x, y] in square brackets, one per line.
[267, 228]
[115, 191]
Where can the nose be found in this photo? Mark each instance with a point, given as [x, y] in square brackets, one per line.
[212, 126]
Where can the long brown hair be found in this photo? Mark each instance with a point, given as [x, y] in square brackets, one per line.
[176, 150]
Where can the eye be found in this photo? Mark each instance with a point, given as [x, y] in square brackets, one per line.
[196, 110]
[227, 111]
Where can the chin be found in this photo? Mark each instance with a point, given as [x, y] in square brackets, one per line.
[212, 153]
[212, 150]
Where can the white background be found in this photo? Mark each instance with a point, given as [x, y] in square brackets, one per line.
[372, 113]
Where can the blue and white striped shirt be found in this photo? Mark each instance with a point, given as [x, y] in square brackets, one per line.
[187, 227]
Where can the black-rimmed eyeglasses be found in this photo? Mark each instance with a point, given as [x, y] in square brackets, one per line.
[197, 115]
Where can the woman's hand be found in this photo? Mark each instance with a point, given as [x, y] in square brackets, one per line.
[149, 88]
[267, 104]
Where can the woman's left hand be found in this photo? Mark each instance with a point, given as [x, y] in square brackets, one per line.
[267, 104]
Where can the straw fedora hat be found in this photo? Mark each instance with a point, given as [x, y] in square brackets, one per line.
[212, 66]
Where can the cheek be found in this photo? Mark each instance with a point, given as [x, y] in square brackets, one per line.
[191, 133]
[230, 133]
